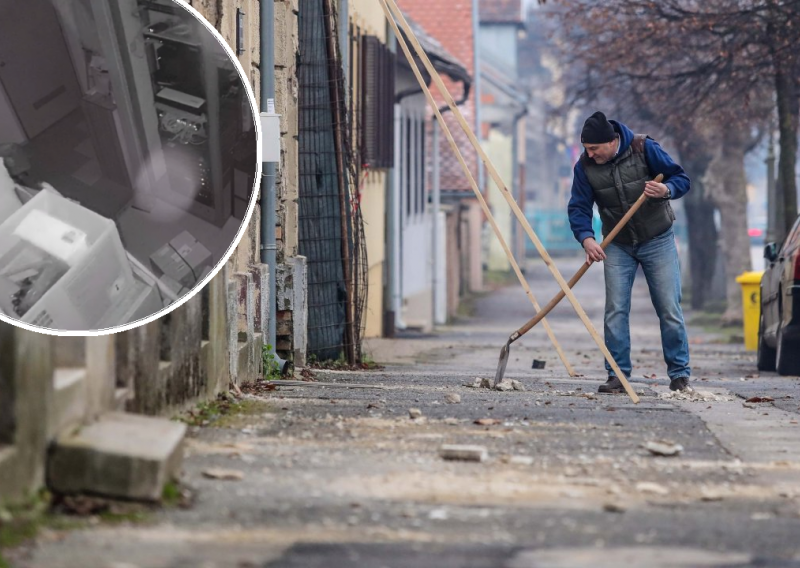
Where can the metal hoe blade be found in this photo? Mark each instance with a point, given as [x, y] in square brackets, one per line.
[501, 365]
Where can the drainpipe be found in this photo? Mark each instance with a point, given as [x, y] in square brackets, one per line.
[267, 202]
[393, 231]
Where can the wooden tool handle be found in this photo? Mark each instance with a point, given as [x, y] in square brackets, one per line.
[582, 270]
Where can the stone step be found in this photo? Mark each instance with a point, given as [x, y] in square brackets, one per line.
[124, 456]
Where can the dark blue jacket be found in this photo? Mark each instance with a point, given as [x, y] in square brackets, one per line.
[659, 162]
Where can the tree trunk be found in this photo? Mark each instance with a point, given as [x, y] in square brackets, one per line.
[788, 112]
[726, 182]
[700, 217]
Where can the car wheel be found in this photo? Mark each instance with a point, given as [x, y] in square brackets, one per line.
[787, 355]
[765, 357]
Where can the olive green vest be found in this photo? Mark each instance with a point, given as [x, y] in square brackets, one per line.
[617, 185]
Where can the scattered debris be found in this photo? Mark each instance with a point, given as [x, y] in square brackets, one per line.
[463, 452]
[614, 508]
[81, 505]
[521, 460]
[238, 447]
[414, 413]
[756, 399]
[504, 385]
[695, 396]
[320, 384]
[439, 515]
[258, 388]
[223, 474]
[650, 487]
[663, 448]
[538, 364]
[307, 374]
[451, 421]
[517, 460]
[452, 398]
[487, 421]
[708, 494]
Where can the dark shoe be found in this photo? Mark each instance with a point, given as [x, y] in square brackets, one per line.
[612, 385]
[680, 384]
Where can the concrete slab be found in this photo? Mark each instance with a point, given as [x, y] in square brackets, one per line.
[121, 455]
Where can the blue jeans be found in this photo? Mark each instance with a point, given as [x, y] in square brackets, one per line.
[659, 260]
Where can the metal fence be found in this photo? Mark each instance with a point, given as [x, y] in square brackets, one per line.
[330, 225]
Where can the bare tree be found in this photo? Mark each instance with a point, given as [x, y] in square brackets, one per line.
[701, 71]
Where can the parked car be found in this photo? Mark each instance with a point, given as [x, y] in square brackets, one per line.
[779, 326]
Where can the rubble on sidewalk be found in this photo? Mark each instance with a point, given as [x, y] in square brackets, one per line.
[695, 396]
[663, 448]
[652, 488]
[614, 508]
[487, 422]
[505, 385]
[223, 474]
[452, 398]
[414, 413]
[459, 452]
[759, 399]
[517, 460]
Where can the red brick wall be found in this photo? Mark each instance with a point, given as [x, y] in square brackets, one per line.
[450, 22]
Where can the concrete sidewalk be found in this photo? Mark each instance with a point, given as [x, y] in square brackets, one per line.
[344, 477]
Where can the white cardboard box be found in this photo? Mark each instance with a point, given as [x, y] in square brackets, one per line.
[93, 280]
[183, 259]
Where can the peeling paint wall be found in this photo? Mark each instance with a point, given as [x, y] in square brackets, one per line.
[222, 15]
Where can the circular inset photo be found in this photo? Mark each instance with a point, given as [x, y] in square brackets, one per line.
[128, 159]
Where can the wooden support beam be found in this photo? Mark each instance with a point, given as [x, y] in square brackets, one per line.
[476, 190]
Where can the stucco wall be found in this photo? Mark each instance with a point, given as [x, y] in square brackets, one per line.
[498, 147]
[373, 208]
[368, 15]
[222, 15]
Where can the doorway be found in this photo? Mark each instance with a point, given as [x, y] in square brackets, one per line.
[35, 68]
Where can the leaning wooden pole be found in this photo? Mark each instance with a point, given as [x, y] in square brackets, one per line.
[500, 184]
[347, 266]
[478, 193]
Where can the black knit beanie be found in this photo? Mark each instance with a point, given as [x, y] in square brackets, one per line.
[597, 130]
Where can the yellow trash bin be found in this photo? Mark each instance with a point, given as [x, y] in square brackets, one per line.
[751, 304]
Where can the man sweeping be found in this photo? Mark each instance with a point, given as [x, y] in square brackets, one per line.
[616, 167]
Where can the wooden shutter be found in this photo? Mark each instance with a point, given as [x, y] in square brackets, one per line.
[377, 104]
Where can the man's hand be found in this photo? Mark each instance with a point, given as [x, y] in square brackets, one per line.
[594, 252]
[655, 190]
